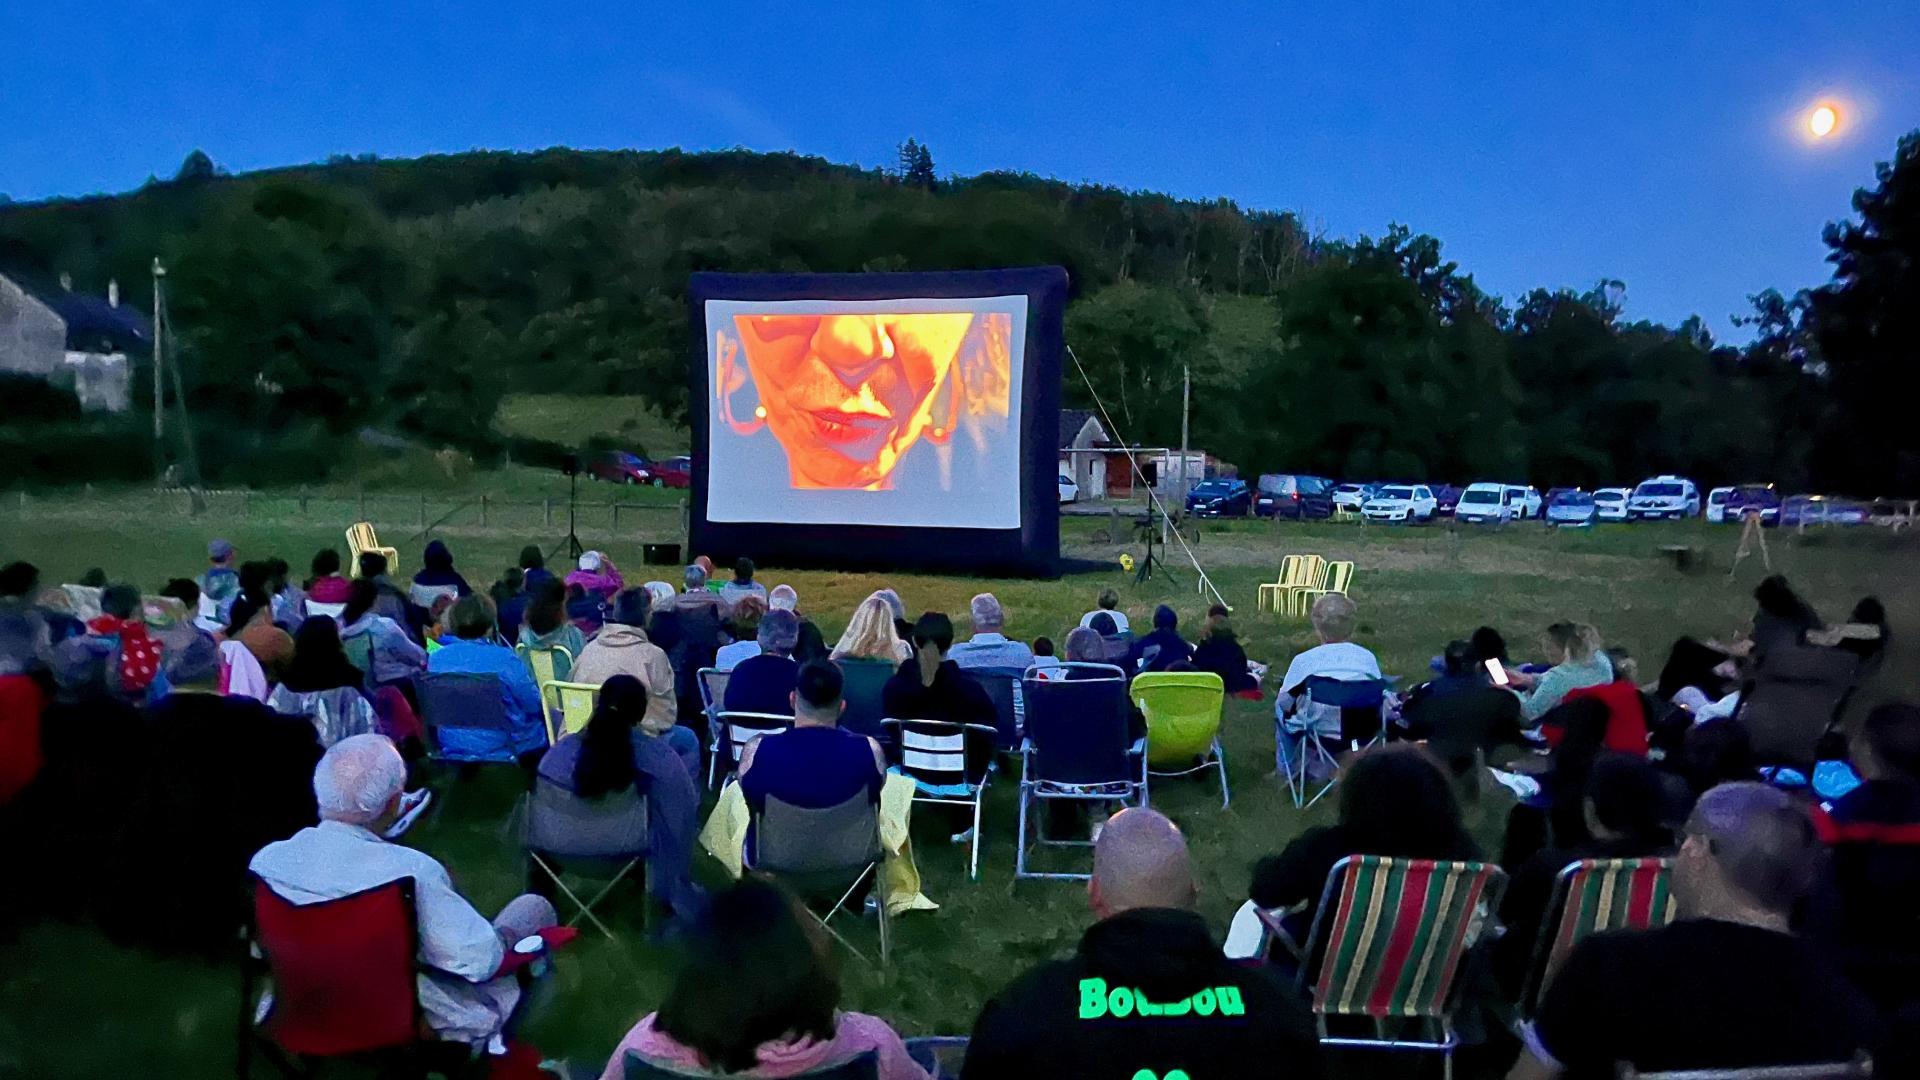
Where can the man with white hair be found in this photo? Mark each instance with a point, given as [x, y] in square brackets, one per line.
[783, 598]
[990, 647]
[1148, 993]
[358, 785]
[1726, 986]
[1336, 657]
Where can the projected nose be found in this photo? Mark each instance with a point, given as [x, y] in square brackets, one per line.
[852, 347]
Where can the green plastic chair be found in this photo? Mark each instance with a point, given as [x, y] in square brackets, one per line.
[1183, 723]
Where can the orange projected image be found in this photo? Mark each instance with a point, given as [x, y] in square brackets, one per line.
[849, 396]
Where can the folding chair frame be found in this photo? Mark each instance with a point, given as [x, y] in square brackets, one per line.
[977, 792]
[628, 863]
[557, 726]
[712, 710]
[1121, 791]
[1216, 758]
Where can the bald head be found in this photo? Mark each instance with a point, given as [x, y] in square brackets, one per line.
[1140, 862]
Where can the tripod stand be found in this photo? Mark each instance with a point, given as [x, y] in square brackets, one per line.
[1151, 561]
[571, 466]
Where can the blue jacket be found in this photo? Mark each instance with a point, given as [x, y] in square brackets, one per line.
[524, 714]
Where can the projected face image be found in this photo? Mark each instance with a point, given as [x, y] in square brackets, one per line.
[847, 396]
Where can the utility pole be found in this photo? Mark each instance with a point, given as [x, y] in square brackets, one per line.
[159, 412]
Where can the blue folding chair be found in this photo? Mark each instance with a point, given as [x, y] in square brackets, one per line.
[949, 764]
[1362, 723]
[1076, 748]
[1003, 686]
[863, 682]
[469, 707]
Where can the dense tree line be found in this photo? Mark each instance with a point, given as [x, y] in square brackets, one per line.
[315, 301]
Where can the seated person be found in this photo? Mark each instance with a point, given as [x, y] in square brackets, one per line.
[1164, 647]
[1219, 651]
[611, 756]
[392, 655]
[1115, 648]
[321, 684]
[1394, 800]
[1461, 714]
[756, 994]
[1623, 807]
[26, 642]
[469, 651]
[1728, 985]
[1085, 647]
[1873, 833]
[871, 635]
[932, 687]
[1212, 1017]
[463, 995]
[1336, 657]
[1627, 713]
[544, 625]
[596, 576]
[742, 585]
[437, 577]
[1574, 651]
[744, 626]
[116, 657]
[814, 764]
[327, 586]
[622, 647]
[221, 583]
[989, 647]
[783, 598]
[1109, 603]
[1043, 656]
[392, 603]
[764, 683]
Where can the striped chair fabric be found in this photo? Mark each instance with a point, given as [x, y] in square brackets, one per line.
[1594, 895]
[744, 727]
[1395, 932]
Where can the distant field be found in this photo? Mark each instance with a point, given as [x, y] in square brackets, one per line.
[1416, 588]
[571, 419]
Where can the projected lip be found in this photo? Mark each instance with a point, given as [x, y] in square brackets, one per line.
[848, 431]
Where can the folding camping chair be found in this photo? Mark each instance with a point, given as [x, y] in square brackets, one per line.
[1387, 943]
[343, 977]
[1183, 723]
[1338, 577]
[315, 609]
[360, 541]
[1589, 896]
[567, 706]
[1296, 571]
[566, 833]
[861, 687]
[1362, 724]
[712, 683]
[469, 702]
[734, 730]
[821, 854]
[1793, 698]
[1076, 748]
[1860, 1068]
[949, 764]
[1003, 686]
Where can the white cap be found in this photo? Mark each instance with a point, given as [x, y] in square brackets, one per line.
[590, 562]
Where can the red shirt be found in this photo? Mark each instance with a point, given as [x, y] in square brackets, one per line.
[1626, 716]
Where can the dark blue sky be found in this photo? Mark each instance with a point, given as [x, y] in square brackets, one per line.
[1546, 144]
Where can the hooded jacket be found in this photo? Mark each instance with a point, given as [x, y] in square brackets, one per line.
[392, 654]
[625, 650]
[1148, 990]
[436, 576]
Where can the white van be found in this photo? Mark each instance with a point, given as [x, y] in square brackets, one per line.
[1673, 497]
[1483, 502]
[1717, 504]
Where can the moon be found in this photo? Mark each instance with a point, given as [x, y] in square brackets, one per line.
[1822, 121]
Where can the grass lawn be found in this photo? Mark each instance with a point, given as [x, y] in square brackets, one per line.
[70, 1005]
[571, 419]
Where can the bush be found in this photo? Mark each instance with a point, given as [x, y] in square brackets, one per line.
[59, 453]
[29, 399]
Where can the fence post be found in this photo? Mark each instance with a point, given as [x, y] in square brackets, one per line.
[616, 518]
[246, 504]
[546, 510]
[423, 511]
[23, 503]
[483, 510]
[363, 506]
[303, 502]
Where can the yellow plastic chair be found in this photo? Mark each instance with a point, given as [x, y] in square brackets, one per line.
[1311, 574]
[1183, 723]
[1339, 576]
[360, 540]
[1295, 571]
[543, 665]
[571, 702]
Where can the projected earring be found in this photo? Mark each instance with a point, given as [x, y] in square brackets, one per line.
[940, 431]
[729, 375]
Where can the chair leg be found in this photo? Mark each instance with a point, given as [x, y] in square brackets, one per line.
[886, 944]
[1020, 843]
[973, 854]
[1220, 759]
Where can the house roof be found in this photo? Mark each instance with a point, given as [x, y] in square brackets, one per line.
[1072, 420]
[91, 322]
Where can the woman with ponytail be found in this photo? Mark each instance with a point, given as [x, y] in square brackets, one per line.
[1578, 660]
[931, 687]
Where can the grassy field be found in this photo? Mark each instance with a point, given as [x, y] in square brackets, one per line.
[115, 1010]
[573, 418]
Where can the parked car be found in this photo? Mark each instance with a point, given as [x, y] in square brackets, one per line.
[1823, 510]
[1525, 499]
[1716, 505]
[1754, 499]
[1673, 497]
[1554, 493]
[1292, 495]
[1610, 504]
[1069, 491]
[676, 472]
[1446, 497]
[1401, 502]
[1221, 497]
[620, 467]
[1350, 496]
[1484, 502]
[1571, 508]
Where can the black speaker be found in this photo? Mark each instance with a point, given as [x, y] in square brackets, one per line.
[569, 465]
[1151, 470]
[660, 554]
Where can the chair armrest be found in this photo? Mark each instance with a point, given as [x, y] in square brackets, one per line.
[552, 938]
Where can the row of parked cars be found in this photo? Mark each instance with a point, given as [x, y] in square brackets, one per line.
[1304, 497]
[620, 467]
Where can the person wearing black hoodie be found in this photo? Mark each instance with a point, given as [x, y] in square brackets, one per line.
[1148, 992]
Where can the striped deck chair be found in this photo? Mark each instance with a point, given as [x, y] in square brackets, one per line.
[1594, 895]
[1391, 934]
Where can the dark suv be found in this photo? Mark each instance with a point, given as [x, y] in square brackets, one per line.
[1222, 497]
[1291, 495]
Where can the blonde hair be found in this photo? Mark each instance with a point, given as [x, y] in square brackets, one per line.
[1333, 617]
[871, 634]
[1578, 640]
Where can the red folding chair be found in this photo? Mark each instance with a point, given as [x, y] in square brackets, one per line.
[343, 975]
